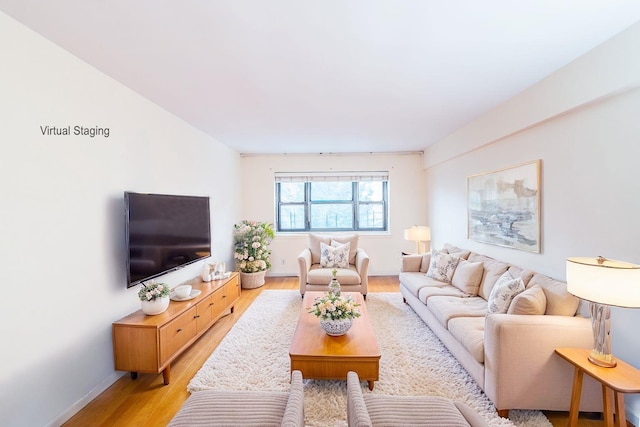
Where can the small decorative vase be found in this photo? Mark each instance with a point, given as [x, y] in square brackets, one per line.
[334, 287]
[252, 280]
[155, 306]
[337, 327]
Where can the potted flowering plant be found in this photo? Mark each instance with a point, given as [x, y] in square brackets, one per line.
[335, 312]
[154, 297]
[251, 251]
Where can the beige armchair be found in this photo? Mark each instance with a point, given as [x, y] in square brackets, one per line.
[352, 277]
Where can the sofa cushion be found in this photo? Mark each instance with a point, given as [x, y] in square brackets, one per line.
[492, 271]
[445, 308]
[426, 261]
[467, 277]
[322, 276]
[314, 246]
[442, 266]
[503, 292]
[334, 256]
[316, 239]
[559, 301]
[525, 274]
[416, 281]
[213, 407]
[427, 292]
[410, 263]
[469, 331]
[531, 301]
[413, 410]
[451, 249]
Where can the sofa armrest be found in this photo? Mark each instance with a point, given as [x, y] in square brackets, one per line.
[357, 414]
[362, 265]
[410, 263]
[522, 370]
[294, 411]
[304, 264]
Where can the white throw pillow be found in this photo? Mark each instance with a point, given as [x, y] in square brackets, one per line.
[334, 256]
[503, 292]
[442, 266]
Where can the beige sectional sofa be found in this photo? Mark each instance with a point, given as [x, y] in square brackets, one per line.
[505, 338]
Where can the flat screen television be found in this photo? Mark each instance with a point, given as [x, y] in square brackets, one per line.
[164, 233]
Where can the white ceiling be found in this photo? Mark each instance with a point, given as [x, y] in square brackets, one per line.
[310, 76]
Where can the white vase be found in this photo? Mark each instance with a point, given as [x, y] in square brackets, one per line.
[155, 306]
[252, 280]
[337, 327]
[334, 287]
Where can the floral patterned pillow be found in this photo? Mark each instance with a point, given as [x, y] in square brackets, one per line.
[442, 266]
[334, 256]
[503, 292]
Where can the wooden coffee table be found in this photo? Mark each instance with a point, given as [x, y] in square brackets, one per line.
[323, 357]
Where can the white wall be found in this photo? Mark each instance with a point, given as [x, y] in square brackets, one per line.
[62, 222]
[582, 122]
[406, 203]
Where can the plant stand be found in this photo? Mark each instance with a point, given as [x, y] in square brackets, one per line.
[252, 280]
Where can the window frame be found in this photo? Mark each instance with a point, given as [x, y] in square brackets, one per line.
[355, 203]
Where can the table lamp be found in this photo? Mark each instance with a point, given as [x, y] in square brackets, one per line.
[603, 282]
[418, 233]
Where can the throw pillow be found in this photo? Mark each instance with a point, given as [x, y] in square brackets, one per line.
[503, 292]
[531, 301]
[467, 277]
[352, 239]
[442, 266]
[334, 256]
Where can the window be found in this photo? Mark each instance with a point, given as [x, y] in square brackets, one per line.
[349, 201]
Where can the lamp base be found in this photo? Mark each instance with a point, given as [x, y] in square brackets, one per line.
[601, 325]
[602, 360]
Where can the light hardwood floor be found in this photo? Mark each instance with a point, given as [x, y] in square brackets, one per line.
[148, 402]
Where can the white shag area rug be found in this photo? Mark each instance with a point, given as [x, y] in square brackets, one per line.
[254, 355]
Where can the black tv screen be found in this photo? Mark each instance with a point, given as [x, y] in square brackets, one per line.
[163, 233]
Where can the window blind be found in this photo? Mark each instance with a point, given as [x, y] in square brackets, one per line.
[349, 176]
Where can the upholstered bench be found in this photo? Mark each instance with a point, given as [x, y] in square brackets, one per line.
[244, 408]
[379, 410]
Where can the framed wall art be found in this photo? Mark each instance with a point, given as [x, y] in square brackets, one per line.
[504, 207]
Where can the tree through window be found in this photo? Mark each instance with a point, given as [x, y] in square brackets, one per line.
[345, 201]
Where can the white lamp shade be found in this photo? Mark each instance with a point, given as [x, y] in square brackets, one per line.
[417, 233]
[604, 281]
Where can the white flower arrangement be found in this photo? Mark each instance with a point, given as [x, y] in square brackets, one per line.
[153, 291]
[333, 307]
[251, 243]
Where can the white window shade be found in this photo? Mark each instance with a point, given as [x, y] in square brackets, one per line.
[348, 176]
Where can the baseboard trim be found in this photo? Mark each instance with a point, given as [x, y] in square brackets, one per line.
[95, 392]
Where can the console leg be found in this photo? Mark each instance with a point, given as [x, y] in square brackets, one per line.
[134, 375]
[504, 413]
[166, 375]
[371, 383]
